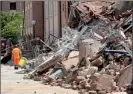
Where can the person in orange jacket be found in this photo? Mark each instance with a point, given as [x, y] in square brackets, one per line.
[16, 54]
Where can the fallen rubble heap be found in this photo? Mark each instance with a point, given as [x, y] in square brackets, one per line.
[95, 57]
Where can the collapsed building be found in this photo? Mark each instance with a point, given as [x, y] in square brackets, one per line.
[94, 53]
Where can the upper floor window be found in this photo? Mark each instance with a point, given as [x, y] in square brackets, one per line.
[13, 6]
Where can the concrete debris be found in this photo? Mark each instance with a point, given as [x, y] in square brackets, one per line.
[125, 77]
[117, 93]
[88, 48]
[72, 60]
[105, 82]
[93, 56]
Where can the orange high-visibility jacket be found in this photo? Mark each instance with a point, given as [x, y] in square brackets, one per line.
[16, 55]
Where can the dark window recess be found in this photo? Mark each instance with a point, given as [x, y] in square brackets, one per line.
[13, 6]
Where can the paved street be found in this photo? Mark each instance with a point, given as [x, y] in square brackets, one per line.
[12, 83]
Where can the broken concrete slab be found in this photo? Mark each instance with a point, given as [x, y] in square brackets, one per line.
[85, 48]
[89, 71]
[125, 76]
[72, 60]
[88, 48]
[104, 83]
[56, 74]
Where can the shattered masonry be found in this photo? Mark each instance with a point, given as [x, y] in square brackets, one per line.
[94, 54]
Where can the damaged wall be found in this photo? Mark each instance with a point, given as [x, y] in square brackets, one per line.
[122, 6]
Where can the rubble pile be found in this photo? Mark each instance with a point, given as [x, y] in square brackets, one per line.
[94, 55]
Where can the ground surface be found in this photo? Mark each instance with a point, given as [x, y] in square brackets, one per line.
[12, 83]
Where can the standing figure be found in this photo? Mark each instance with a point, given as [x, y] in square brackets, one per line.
[16, 54]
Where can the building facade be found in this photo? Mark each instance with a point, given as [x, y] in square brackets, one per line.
[45, 19]
[33, 19]
[12, 5]
[52, 23]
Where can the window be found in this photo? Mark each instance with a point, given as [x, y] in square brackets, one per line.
[13, 6]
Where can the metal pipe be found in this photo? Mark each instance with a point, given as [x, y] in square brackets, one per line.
[116, 51]
[46, 44]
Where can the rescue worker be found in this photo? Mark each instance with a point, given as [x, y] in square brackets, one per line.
[16, 54]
